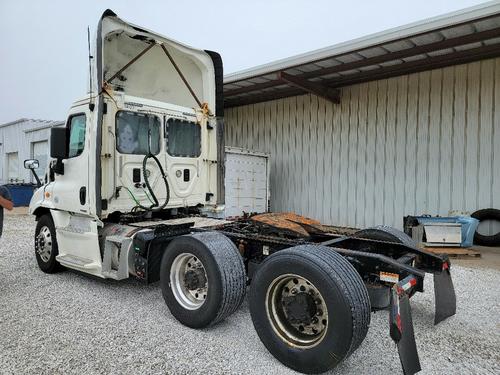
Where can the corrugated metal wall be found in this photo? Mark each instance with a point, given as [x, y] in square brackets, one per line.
[422, 143]
[19, 138]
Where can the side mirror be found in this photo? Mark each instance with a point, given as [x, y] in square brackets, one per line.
[58, 143]
[58, 148]
[31, 164]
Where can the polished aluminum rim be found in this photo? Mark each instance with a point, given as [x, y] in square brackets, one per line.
[189, 298]
[44, 244]
[298, 334]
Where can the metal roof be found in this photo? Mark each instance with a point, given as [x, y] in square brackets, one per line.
[33, 124]
[468, 35]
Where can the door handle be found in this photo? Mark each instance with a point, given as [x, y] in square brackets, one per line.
[83, 195]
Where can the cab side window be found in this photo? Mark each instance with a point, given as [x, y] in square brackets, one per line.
[183, 138]
[137, 133]
[76, 130]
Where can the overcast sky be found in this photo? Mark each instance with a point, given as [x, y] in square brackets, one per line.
[44, 43]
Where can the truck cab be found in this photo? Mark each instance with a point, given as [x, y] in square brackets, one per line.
[144, 143]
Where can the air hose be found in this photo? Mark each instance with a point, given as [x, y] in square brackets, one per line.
[155, 204]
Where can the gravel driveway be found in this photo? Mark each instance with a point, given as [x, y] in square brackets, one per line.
[72, 323]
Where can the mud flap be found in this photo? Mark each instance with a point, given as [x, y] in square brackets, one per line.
[401, 330]
[444, 295]
[407, 347]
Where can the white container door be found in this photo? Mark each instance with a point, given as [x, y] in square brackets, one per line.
[246, 183]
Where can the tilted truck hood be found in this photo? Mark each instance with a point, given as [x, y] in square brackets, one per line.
[152, 75]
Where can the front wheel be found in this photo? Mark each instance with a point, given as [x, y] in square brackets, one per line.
[309, 307]
[46, 248]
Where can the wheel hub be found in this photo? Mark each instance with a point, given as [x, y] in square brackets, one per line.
[195, 279]
[297, 311]
[43, 244]
[189, 281]
[299, 308]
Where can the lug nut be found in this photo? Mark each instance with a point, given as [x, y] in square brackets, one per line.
[294, 291]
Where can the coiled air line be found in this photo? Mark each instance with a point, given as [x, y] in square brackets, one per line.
[155, 205]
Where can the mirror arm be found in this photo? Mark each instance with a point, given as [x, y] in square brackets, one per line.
[59, 166]
[38, 182]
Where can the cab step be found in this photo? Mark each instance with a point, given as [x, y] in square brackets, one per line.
[72, 261]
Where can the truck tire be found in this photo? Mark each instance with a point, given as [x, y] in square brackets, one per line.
[309, 307]
[46, 248]
[385, 233]
[202, 278]
[487, 214]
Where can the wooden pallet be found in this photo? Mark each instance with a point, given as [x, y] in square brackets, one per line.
[454, 252]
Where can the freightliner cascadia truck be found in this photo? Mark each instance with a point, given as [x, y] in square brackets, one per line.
[135, 188]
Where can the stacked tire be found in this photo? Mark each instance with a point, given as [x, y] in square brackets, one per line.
[482, 215]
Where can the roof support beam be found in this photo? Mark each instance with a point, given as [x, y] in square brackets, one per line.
[254, 87]
[253, 99]
[409, 52]
[315, 88]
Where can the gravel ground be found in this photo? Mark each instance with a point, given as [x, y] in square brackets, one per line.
[72, 323]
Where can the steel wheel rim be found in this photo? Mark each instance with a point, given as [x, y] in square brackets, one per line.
[190, 299]
[44, 244]
[307, 336]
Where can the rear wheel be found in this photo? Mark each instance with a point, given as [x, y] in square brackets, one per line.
[309, 307]
[385, 233]
[202, 278]
[46, 248]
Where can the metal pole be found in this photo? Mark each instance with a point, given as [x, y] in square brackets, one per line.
[181, 75]
[130, 63]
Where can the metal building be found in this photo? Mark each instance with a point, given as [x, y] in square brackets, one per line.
[20, 140]
[401, 122]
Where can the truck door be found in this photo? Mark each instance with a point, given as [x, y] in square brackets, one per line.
[137, 135]
[70, 191]
[184, 160]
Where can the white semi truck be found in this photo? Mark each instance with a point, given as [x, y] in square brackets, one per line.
[134, 190]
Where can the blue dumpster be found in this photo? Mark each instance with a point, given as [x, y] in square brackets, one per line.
[21, 193]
